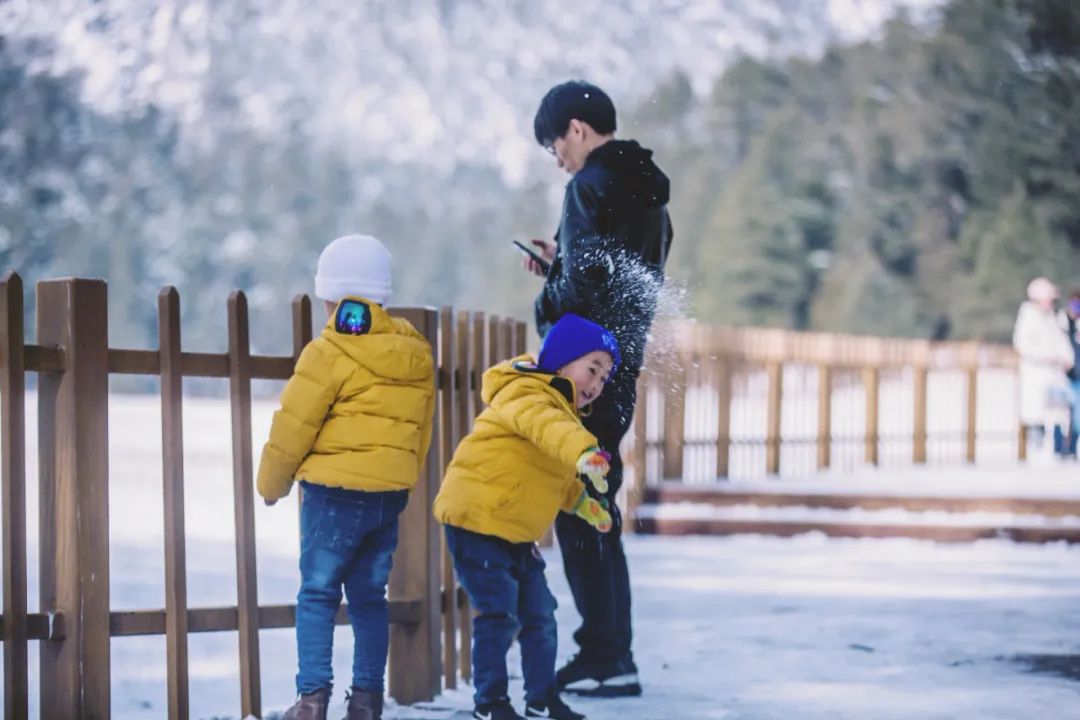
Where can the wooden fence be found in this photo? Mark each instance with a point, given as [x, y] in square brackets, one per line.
[713, 403]
[780, 402]
[430, 628]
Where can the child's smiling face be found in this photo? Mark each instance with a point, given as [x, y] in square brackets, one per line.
[589, 373]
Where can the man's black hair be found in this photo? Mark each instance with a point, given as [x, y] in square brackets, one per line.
[571, 100]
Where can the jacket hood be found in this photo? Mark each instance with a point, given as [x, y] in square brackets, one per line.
[391, 348]
[635, 165]
[523, 368]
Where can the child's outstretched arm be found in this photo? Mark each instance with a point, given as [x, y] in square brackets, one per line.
[304, 404]
[548, 425]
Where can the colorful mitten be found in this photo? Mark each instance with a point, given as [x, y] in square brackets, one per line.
[591, 511]
[595, 464]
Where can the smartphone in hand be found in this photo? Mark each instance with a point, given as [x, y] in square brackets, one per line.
[545, 266]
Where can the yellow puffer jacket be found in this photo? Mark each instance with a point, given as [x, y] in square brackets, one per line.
[356, 413]
[512, 474]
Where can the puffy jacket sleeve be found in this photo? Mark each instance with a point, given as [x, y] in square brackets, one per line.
[584, 263]
[305, 403]
[538, 416]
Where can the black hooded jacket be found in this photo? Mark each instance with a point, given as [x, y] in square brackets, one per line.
[613, 242]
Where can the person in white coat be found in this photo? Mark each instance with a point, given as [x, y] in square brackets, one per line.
[1045, 357]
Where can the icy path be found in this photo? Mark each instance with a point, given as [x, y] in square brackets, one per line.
[752, 627]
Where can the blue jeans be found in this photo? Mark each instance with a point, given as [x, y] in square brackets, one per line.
[1069, 443]
[347, 539]
[506, 585]
[1065, 437]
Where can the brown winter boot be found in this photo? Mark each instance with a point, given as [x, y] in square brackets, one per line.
[364, 705]
[311, 706]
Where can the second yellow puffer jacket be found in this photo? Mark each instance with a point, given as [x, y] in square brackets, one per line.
[513, 473]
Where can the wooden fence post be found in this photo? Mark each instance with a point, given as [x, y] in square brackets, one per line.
[872, 386]
[521, 341]
[247, 594]
[13, 468]
[506, 339]
[481, 359]
[74, 499]
[301, 324]
[824, 415]
[775, 406]
[468, 360]
[517, 337]
[301, 336]
[921, 377]
[448, 437]
[635, 460]
[478, 344]
[972, 413]
[675, 419]
[723, 367]
[415, 651]
[499, 344]
[494, 344]
[172, 445]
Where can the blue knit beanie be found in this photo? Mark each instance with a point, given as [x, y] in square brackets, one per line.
[572, 337]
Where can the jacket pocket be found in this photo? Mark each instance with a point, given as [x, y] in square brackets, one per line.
[340, 523]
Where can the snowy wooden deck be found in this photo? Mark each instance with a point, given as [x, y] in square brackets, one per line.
[933, 503]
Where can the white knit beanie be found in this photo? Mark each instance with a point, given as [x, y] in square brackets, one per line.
[356, 265]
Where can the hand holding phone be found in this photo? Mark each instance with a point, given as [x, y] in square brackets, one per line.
[543, 264]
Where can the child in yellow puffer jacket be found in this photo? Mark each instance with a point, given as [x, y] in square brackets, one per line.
[507, 481]
[354, 428]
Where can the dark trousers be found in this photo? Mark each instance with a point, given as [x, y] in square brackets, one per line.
[506, 585]
[594, 562]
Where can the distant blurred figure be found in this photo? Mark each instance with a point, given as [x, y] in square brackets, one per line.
[1071, 322]
[1045, 357]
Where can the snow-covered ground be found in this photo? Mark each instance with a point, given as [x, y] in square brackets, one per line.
[892, 516]
[995, 480]
[741, 627]
[747, 627]
[766, 628]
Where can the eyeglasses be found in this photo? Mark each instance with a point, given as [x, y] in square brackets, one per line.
[550, 147]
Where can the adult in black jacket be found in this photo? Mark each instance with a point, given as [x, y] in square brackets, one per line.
[607, 265]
